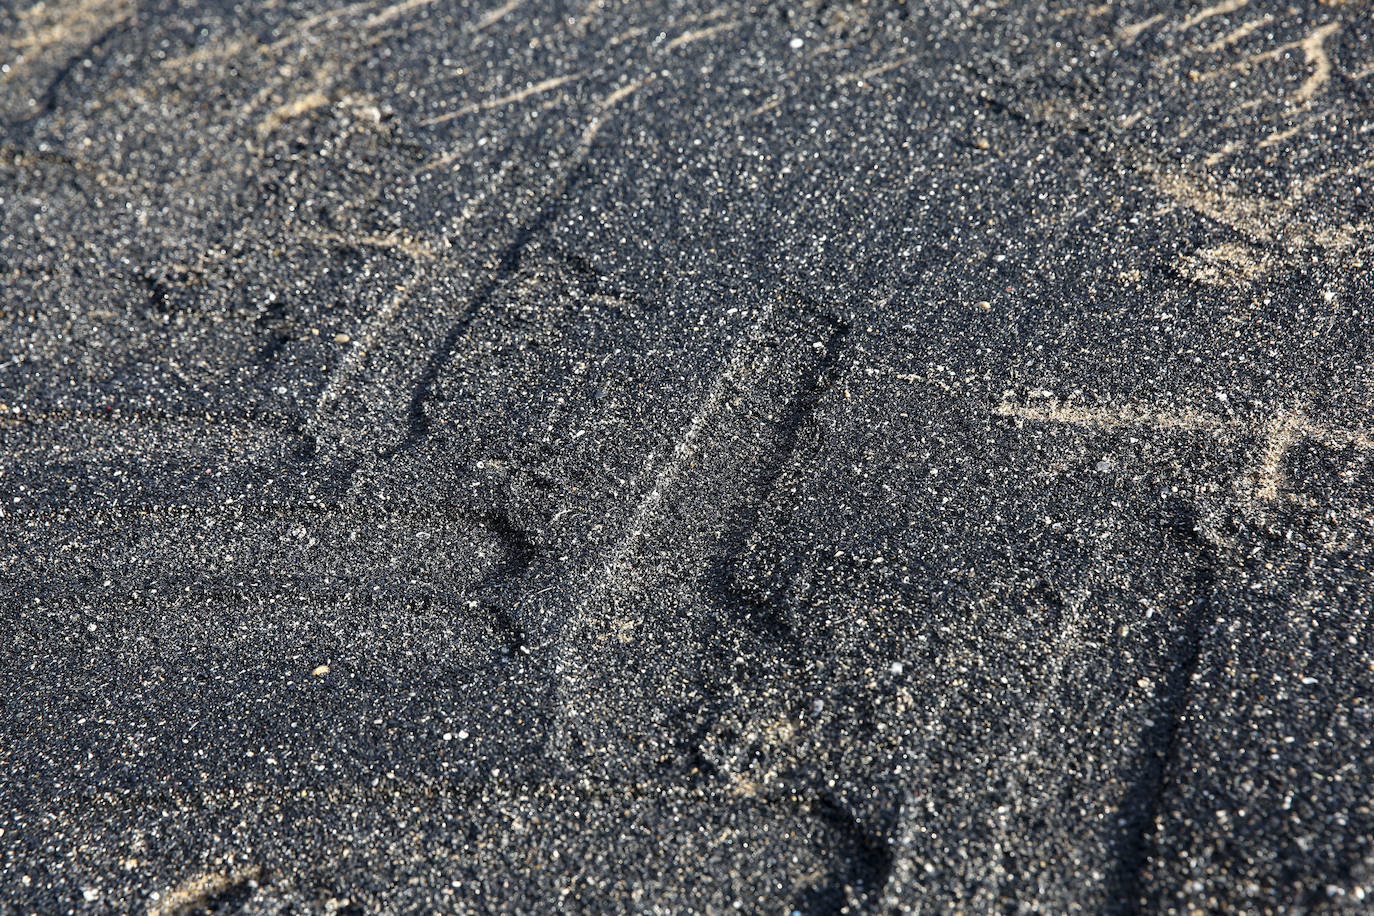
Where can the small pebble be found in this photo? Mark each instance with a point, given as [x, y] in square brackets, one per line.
[321, 671]
[342, 338]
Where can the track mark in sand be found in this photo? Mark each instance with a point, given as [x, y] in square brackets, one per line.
[798, 389]
[210, 891]
[1159, 767]
[1264, 481]
[506, 263]
[1279, 436]
[549, 84]
[75, 42]
[327, 17]
[306, 28]
[704, 502]
[906, 873]
[796, 77]
[1259, 218]
[302, 30]
[362, 342]
[249, 510]
[366, 338]
[56, 25]
[234, 423]
[193, 59]
[640, 30]
[758, 370]
[416, 425]
[1066, 643]
[867, 871]
[1261, 485]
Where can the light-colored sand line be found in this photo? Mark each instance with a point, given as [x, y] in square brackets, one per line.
[1129, 33]
[533, 89]
[496, 15]
[1280, 434]
[71, 24]
[376, 325]
[308, 24]
[1314, 46]
[1117, 417]
[687, 38]
[603, 110]
[292, 109]
[1288, 426]
[1278, 136]
[1239, 33]
[199, 890]
[362, 342]
[878, 69]
[395, 11]
[1219, 9]
[419, 249]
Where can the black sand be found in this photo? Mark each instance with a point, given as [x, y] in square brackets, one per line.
[600, 456]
